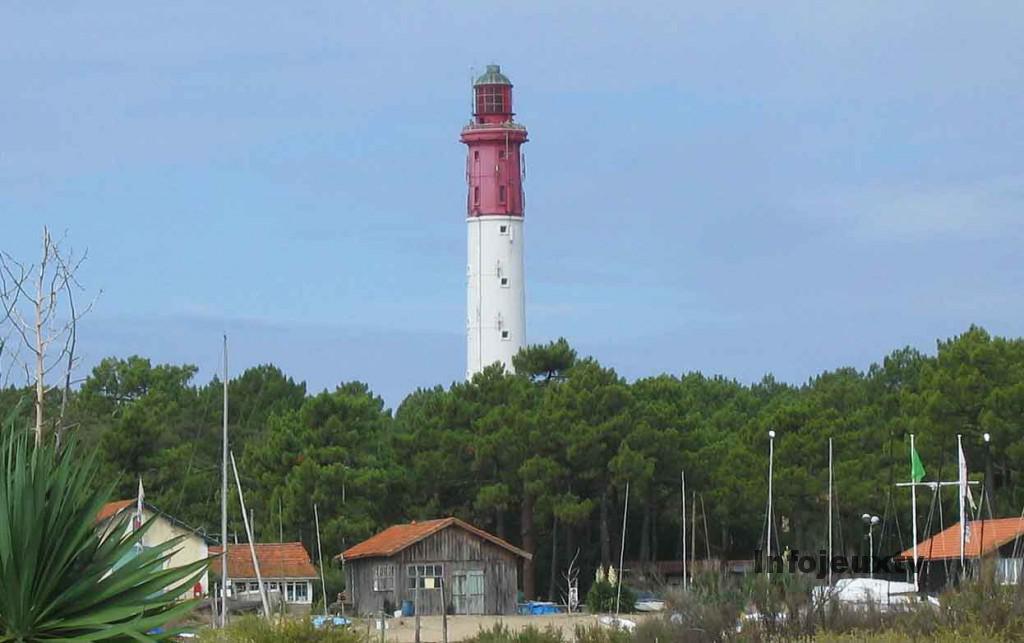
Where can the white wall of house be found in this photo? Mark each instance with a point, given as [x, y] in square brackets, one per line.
[191, 549]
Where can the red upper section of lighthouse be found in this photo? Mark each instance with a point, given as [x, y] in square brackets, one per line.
[494, 162]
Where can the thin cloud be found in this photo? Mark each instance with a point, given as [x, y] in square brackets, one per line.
[977, 210]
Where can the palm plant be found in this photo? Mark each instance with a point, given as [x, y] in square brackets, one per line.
[63, 578]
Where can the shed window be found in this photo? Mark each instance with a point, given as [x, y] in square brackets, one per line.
[428, 576]
[505, 335]
[504, 282]
[503, 229]
[384, 578]
[297, 592]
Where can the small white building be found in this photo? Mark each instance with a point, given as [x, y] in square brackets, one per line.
[193, 547]
[285, 567]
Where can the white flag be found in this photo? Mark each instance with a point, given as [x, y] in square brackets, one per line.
[965, 489]
[137, 520]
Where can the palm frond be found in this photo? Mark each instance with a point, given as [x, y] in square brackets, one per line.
[62, 576]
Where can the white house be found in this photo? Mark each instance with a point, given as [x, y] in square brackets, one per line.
[285, 567]
[192, 548]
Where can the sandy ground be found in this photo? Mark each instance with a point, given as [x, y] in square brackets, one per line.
[403, 630]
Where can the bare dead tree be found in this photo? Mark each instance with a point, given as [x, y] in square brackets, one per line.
[39, 304]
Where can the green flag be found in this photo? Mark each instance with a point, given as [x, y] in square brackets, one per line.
[916, 468]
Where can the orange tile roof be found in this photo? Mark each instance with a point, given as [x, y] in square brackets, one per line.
[277, 560]
[946, 544]
[397, 537]
[113, 508]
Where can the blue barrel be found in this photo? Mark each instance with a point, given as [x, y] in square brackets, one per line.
[408, 609]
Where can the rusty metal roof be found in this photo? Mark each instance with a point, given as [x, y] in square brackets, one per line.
[397, 537]
[946, 544]
[277, 560]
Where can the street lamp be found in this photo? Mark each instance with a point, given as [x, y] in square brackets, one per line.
[870, 521]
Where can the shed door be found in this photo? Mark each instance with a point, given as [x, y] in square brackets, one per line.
[468, 592]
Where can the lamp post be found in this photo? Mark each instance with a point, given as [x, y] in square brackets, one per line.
[986, 495]
[871, 521]
[987, 490]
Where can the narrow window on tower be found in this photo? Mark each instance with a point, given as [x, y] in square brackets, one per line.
[501, 194]
[476, 195]
[504, 282]
[476, 155]
[505, 335]
[503, 229]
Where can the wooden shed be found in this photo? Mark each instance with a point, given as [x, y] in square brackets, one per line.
[452, 564]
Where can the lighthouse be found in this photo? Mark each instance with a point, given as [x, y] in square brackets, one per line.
[495, 284]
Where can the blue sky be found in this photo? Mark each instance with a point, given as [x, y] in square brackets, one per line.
[725, 187]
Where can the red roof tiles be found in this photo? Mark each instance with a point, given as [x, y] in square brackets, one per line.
[113, 508]
[397, 537]
[946, 544]
[277, 560]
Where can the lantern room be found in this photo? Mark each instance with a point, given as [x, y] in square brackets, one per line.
[492, 96]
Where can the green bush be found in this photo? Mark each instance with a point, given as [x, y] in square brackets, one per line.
[598, 634]
[601, 598]
[500, 633]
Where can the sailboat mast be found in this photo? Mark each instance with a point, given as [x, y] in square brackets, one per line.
[320, 556]
[829, 561]
[682, 475]
[224, 498]
[252, 541]
[622, 550]
[771, 460]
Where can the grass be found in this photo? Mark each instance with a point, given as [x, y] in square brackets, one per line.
[253, 629]
[978, 611]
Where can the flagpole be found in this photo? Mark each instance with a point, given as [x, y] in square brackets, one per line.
[913, 510]
[963, 486]
[829, 561]
[682, 476]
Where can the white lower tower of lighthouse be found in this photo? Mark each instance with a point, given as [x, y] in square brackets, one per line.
[495, 288]
[496, 298]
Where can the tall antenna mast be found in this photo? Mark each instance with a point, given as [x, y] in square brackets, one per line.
[224, 499]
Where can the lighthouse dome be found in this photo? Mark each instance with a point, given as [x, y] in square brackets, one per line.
[492, 76]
